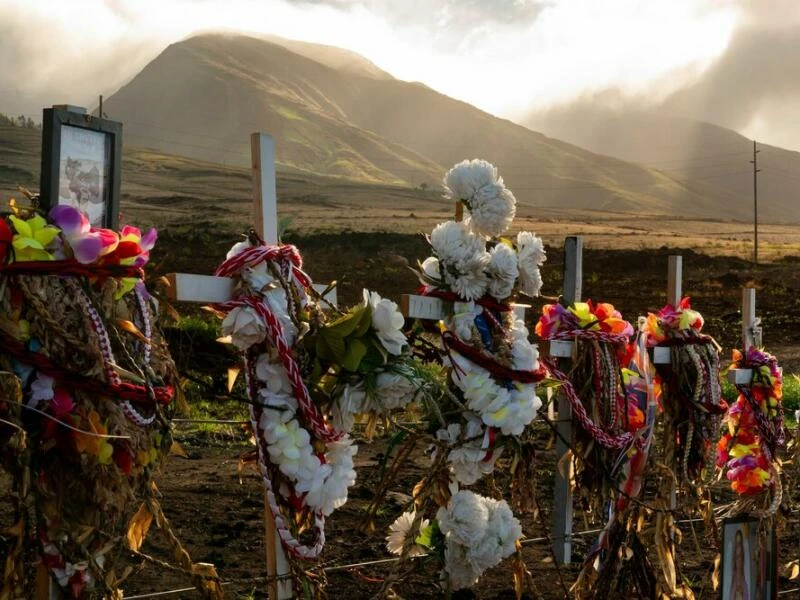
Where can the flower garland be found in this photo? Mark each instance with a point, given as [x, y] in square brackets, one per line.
[747, 451]
[87, 384]
[690, 390]
[492, 368]
[608, 421]
[308, 378]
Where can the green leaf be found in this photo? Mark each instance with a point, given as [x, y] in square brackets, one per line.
[346, 324]
[365, 322]
[425, 537]
[356, 350]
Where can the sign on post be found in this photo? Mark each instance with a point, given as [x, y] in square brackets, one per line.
[562, 492]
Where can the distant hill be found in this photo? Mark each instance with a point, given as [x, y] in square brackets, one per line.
[696, 153]
[334, 113]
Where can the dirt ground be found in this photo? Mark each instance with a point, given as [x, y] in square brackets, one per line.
[219, 518]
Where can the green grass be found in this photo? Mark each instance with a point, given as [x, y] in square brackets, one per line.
[791, 394]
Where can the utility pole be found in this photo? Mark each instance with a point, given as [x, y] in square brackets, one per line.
[755, 202]
[100, 110]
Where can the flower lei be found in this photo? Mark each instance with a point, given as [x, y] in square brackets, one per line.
[747, 451]
[690, 391]
[493, 369]
[307, 378]
[603, 412]
[87, 383]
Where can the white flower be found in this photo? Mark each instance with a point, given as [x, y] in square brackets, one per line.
[244, 326]
[400, 529]
[41, 389]
[463, 322]
[452, 242]
[333, 493]
[276, 301]
[456, 564]
[470, 280]
[273, 375]
[524, 354]
[352, 401]
[490, 204]
[503, 271]
[387, 322]
[258, 276]
[393, 391]
[238, 248]
[464, 518]
[531, 255]
[430, 267]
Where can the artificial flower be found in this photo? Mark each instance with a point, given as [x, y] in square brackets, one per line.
[530, 257]
[452, 242]
[470, 280]
[244, 326]
[34, 236]
[387, 321]
[502, 271]
[399, 531]
[490, 205]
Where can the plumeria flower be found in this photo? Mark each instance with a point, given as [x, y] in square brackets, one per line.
[244, 326]
[34, 236]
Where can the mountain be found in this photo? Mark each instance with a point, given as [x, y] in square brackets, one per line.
[334, 113]
[694, 152]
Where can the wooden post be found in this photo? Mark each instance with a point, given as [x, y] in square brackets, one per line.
[46, 589]
[674, 279]
[562, 493]
[751, 335]
[200, 288]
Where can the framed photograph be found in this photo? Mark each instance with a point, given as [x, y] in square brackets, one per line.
[749, 560]
[81, 164]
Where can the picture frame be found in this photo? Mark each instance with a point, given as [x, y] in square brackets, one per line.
[81, 157]
[749, 567]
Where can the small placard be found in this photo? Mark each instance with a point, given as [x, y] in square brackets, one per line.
[421, 307]
[561, 348]
[740, 376]
[661, 355]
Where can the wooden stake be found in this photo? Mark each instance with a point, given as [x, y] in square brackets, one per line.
[562, 502]
[674, 277]
[45, 589]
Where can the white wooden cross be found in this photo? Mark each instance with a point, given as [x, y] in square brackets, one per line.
[562, 488]
[661, 354]
[207, 289]
[751, 335]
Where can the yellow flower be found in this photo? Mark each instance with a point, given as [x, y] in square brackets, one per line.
[32, 238]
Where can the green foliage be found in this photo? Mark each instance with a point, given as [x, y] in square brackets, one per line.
[791, 393]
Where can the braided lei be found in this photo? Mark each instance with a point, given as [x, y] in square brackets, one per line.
[607, 420]
[94, 383]
[307, 378]
[747, 451]
[690, 392]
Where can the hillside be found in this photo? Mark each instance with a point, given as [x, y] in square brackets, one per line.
[202, 97]
[694, 152]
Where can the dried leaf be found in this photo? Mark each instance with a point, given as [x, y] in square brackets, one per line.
[138, 527]
[129, 327]
[178, 450]
[793, 569]
[233, 373]
[715, 574]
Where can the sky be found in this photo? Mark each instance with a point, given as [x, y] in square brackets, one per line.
[734, 61]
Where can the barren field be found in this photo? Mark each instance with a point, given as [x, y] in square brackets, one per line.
[219, 518]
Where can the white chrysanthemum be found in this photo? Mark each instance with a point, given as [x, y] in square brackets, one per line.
[470, 281]
[502, 531]
[430, 267]
[490, 205]
[244, 327]
[387, 321]
[470, 459]
[453, 242]
[502, 271]
[459, 570]
[525, 355]
[399, 531]
[464, 518]
[531, 255]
